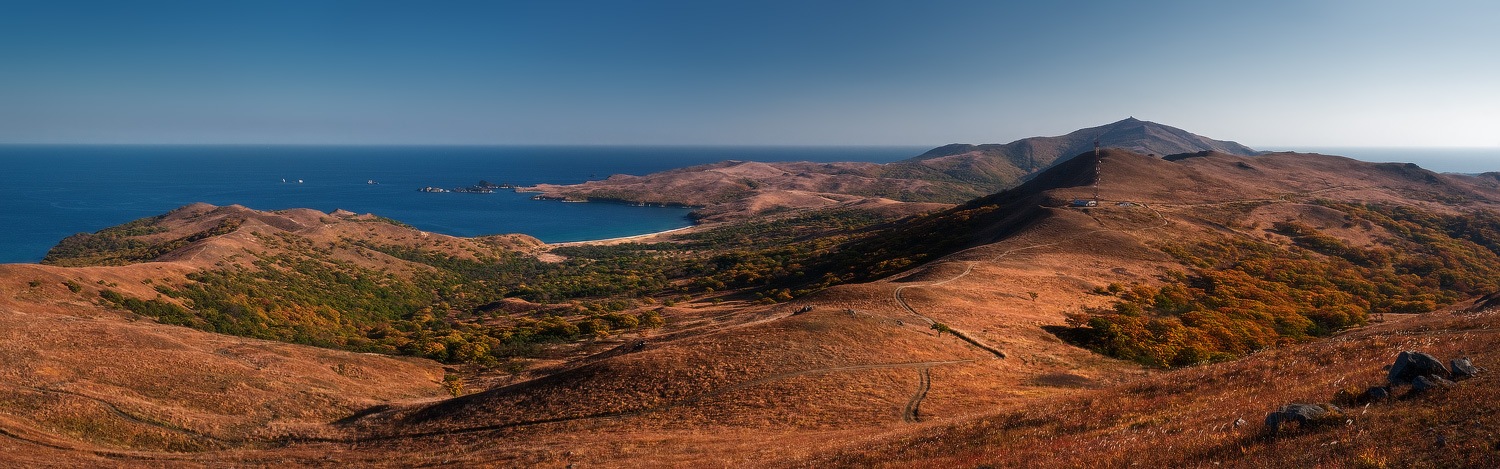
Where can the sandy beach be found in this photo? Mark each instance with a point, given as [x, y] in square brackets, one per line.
[623, 239]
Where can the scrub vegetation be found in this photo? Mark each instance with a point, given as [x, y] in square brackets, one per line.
[456, 310]
[1243, 295]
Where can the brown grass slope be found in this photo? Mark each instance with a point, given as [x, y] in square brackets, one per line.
[1195, 188]
[1187, 417]
[755, 381]
[1203, 197]
[982, 291]
[190, 233]
[101, 384]
[1034, 153]
[751, 377]
[864, 368]
[736, 189]
[691, 370]
[83, 378]
[947, 174]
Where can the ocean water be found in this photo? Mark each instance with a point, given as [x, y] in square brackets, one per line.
[1442, 160]
[48, 192]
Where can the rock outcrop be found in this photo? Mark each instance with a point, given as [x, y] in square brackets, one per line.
[1301, 414]
[1462, 368]
[1423, 384]
[1411, 365]
[1375, 394]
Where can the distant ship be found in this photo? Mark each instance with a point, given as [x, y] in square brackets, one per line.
[372, 181]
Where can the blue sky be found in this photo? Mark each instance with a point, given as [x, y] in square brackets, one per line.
[1269, 74]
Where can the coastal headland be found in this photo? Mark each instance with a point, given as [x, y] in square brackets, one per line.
[797, 327]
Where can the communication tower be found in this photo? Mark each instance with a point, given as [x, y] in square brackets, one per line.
[1097, 162]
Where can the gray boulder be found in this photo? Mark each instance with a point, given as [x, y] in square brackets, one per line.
[1375, 394]
[1409, 365]
[1302, 414]
[1463, 368]
[1426, 383]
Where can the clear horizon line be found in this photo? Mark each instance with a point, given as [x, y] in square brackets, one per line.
[805, 145]
[1455, 147]
[179, 144]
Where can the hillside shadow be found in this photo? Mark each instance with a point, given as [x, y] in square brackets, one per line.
[1076, 336]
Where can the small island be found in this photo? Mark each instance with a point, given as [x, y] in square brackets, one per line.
[484, 187]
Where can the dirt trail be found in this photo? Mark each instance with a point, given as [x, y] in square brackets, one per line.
[901, 300]
[131, 417]
[27, 434]
[910, 413]
[924, 383]
[630, 413]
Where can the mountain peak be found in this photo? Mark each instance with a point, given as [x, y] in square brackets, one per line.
[1140, 136]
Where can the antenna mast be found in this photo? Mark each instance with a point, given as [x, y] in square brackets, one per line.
[1097, 163]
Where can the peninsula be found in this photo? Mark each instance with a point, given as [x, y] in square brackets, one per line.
[1209, 307]
[945, 175]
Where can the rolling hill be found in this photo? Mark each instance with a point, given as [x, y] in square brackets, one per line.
[1131, 134]
[948, 174]
[997, 331]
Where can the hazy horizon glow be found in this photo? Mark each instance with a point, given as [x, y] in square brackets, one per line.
[1271, 75]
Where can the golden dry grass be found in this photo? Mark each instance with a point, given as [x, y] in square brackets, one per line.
[1185, 418]
[98, 379]
[735, 385]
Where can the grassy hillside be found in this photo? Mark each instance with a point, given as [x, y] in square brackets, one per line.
[1212, 416]
[1013, 329]
[455, 301]
[1242, 296]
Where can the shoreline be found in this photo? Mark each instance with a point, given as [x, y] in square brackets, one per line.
[619, 239]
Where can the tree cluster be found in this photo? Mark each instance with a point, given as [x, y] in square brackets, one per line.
[1246, 295]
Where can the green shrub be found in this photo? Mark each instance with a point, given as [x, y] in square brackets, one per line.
[1259, 295]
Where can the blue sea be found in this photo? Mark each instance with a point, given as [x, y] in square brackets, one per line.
[48, 192]
[1442, 160]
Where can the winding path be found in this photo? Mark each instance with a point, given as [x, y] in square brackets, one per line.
[897, 294]
[910, 415]
[632, 413]
[911, 411]
[128, 416]
[924, 382]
